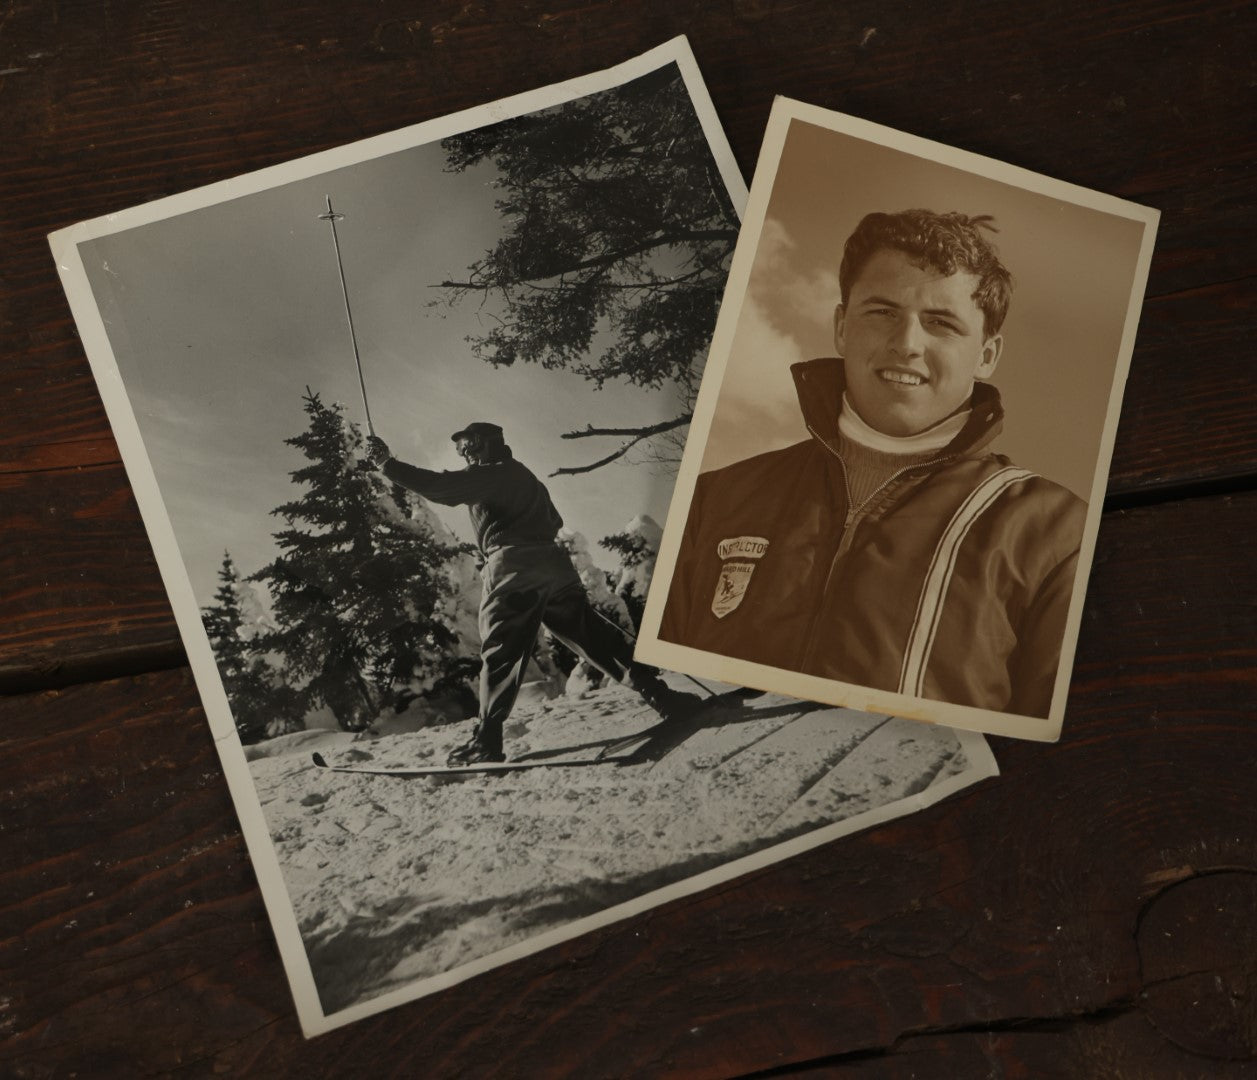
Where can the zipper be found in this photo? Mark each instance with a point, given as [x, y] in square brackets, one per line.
[848, 532]
[853, 511]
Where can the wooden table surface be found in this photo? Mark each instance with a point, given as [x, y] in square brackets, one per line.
[1090, 913]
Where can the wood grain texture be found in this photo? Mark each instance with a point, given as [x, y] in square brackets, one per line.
[81, 592]
[108, 107]
[1187, 415]
[1110, 1046]
[129, 904]
[1016, 931]
[1198, 955]
[1009, 925]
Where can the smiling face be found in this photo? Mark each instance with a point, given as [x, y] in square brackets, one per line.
[912, 342]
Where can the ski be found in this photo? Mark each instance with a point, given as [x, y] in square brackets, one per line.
[459, 770]
[612, 753]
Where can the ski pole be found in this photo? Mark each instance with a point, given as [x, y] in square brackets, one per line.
[331, 217]
[707, 689]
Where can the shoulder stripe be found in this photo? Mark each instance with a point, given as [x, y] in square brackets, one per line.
[938, 577]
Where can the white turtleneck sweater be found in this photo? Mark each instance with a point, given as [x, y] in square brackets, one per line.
[872, 458]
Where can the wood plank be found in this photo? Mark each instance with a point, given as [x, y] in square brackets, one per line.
[127, 891]
[1123, 1044]
[1187, 416]
[81, 594]
[1198, 953]
[1012, 920]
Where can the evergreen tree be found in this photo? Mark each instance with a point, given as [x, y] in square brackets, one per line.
[361, 587]
[617, 231]
[632, 551]
[260, 704]
[637, 546]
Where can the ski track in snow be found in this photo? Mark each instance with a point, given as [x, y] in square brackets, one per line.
[397, 879]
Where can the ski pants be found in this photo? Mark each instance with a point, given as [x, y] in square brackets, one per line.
[526, 587]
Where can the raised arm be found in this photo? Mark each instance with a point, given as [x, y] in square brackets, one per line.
[446, 488]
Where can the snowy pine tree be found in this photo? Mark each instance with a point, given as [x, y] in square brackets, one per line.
[362, 584]
[638, 547]
[260, 704]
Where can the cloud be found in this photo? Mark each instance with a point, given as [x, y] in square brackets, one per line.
[796, 298]
[786, 318]
[757, 409]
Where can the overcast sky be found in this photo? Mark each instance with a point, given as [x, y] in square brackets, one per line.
[219, 318]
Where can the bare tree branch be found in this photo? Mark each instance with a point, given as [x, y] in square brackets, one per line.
[680, 236]
[639, 286]
[639, 434]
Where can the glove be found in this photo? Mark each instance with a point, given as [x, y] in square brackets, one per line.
[377, 451]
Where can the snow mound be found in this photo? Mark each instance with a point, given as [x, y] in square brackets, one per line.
[297, 742]
[648, 529]
[636, 572]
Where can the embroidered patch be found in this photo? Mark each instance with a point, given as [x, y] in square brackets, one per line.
[747, 547]
[735, 573]
[735, 576]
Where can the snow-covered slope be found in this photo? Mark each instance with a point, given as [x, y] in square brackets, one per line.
[394, 880]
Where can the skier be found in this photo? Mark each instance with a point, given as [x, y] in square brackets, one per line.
[529, 582]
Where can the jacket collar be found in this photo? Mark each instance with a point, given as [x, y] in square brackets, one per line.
[820, 383]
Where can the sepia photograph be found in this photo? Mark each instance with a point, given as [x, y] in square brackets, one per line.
[891, 491]
[403, 420]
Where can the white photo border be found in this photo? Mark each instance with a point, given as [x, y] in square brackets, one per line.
[652, 649]
[65, 245]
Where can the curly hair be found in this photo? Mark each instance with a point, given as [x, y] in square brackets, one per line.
[949, 243]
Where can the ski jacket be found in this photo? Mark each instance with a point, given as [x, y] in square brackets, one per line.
[951, 582]
[509, 506]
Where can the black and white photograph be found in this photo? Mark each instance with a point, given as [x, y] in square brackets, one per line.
[403, 420]
[890, 495]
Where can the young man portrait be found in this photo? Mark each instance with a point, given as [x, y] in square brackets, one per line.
[894, 548]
